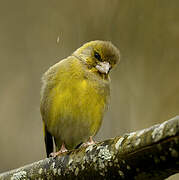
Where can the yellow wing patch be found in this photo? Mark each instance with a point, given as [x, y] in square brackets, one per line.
[84, 84]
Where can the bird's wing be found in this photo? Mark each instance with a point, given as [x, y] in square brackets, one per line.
[48, 141]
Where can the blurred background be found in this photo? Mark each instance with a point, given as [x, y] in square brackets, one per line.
[36, 34]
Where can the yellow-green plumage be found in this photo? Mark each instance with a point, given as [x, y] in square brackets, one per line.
[75, 95]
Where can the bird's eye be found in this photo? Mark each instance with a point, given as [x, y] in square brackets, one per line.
[97, 56]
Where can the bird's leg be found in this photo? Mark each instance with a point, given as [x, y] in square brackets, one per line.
[89, 142]
[61, 151]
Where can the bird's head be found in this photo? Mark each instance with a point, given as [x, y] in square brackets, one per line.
[99, 56]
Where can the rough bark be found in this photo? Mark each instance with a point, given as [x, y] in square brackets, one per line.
[151, 153]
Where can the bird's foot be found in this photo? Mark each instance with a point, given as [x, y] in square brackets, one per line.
[60, 152]
[89, 142]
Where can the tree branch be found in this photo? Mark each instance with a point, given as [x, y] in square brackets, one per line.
[151, 153]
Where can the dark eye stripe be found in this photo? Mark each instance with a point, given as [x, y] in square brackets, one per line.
[97, 56]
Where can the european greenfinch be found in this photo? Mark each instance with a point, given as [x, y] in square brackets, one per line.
[75, 95]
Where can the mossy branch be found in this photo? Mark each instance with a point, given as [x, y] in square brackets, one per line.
[151, 153]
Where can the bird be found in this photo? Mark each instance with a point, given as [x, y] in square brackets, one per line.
[75, 95]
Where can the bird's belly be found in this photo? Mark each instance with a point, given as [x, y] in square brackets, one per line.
[72, 132]
[76, 113]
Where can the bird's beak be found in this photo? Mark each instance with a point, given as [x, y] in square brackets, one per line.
[103, 67]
